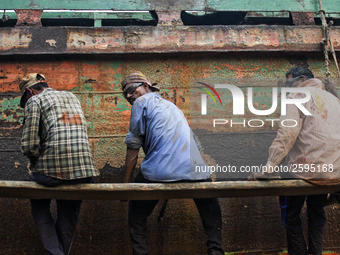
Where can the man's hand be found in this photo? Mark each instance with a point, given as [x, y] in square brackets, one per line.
[330, 87]
[263, 176]
[29, 168]
[258, 176]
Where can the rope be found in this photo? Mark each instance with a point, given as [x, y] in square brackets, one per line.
[326, 41]
[325, 38]
[333, 51]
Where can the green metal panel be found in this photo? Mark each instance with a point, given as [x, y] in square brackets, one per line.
[206, 5]
[75, 5]
[264, 5]
[88, 15]
[146, 16]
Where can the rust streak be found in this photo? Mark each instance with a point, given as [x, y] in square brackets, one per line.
[74, 120]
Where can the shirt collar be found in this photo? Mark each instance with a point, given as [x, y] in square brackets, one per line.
[312, 83]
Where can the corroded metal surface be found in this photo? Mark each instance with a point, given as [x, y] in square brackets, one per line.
[303, 18]
[163, 39]
[96, 82]
[169, 18]
[249, 224]
[30, 18]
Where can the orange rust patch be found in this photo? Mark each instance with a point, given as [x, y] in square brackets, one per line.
[101, 75]
[14, 71]
[11, 87]
[74, 120]
[301, 160]
[64, 118]
[324, 115]
[127, 112]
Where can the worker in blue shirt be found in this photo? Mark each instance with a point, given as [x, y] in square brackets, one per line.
[171, 154]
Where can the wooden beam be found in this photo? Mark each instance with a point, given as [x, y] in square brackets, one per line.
[119, 191]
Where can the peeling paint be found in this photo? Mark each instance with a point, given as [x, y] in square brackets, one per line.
[51, 42]
[128, 40]
[10, 110]
[14, 38]
[95, 80]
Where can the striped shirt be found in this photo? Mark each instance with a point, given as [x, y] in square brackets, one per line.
[55, 136]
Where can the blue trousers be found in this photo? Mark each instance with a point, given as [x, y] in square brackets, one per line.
[290, 213]
[56, 236]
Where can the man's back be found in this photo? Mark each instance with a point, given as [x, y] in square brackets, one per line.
[163, 131]
[318, 143]
[55, 135]
[315, 154]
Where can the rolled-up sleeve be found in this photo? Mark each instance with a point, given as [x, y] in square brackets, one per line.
[30, 143]
[286, 136]
[135, 137]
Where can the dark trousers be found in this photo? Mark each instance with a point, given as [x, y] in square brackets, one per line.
[209, 210]
[56, 237]
[290, 213]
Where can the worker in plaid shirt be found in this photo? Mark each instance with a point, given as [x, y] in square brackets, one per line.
[56, 143]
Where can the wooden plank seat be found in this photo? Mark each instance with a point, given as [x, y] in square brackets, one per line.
[121, 191]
